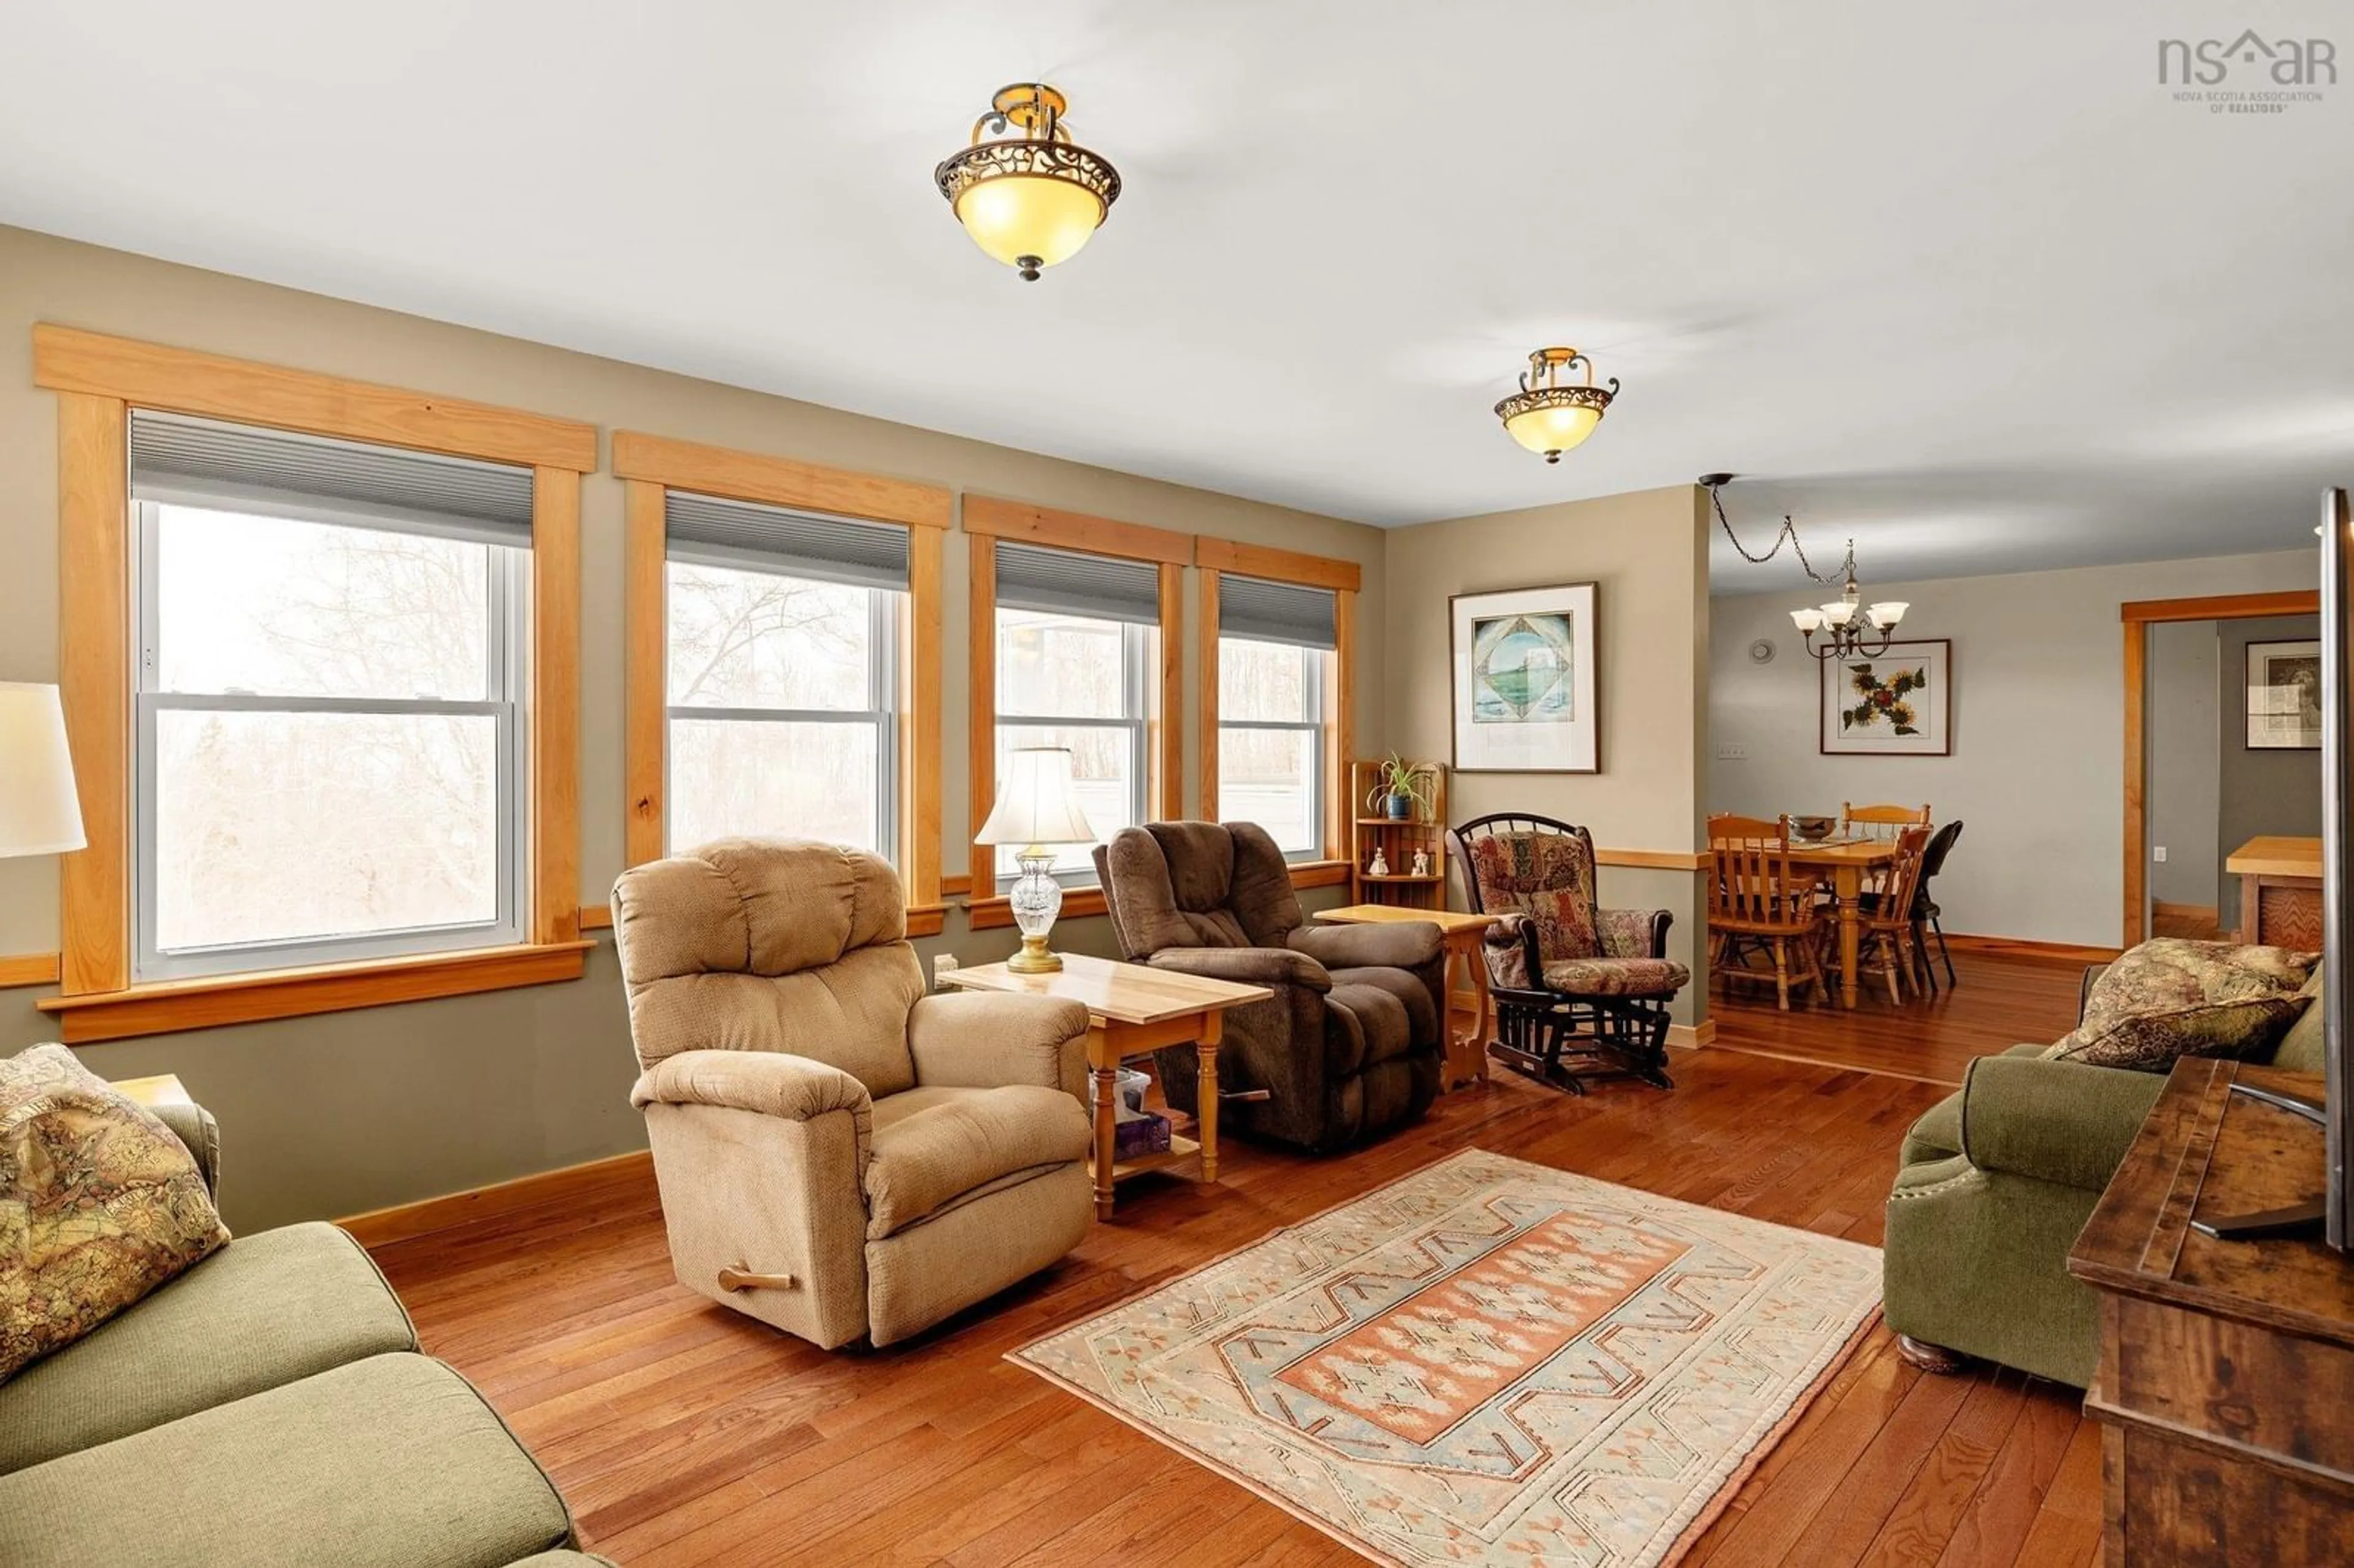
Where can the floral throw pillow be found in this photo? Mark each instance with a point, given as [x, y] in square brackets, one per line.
[2171, 998]
[99, 1203]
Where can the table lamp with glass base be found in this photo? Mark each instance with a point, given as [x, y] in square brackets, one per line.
[1037, 807]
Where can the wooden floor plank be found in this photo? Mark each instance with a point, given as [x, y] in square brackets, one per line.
[684, 1434]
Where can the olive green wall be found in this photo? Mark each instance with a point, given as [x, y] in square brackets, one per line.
[345, 1112]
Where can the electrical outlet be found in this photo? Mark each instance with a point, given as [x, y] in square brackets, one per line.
[1732, 752]
[942, 963]
[2158, 854]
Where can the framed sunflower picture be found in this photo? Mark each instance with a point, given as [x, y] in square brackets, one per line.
[1525, 689]
[1897, 704]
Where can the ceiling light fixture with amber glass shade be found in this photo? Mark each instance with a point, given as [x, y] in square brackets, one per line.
[1026, 193]
[1550, 416]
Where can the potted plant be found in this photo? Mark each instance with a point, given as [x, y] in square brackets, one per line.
[1399, 787]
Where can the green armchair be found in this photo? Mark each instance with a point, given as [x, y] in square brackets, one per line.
[1994, 1183]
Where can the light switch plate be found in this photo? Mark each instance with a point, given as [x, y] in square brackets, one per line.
[2158, 854]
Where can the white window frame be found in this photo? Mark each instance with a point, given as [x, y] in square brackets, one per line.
[1314, 672]
[1137, 672]
[881, 712]
[507, 685]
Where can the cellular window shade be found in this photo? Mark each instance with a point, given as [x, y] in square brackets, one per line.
[707, 530]
[1072, 582]
[1263, 612]
[180, 461]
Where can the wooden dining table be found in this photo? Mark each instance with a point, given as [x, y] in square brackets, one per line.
[1846, 862]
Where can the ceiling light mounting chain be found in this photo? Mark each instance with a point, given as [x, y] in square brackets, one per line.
[1714, 483]
[1847, 624]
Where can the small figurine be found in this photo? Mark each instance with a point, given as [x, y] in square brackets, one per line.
[1421, 861]
[1380, 864]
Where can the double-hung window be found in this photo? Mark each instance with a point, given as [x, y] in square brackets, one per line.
[329, 678]
[783, 678]
[1276, 644]
[1076, 658]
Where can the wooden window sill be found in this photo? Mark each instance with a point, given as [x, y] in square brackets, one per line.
[995, 914]
[170, 1006]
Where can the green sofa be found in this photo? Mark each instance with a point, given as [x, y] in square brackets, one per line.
[1994, 1183]
[267, 1408]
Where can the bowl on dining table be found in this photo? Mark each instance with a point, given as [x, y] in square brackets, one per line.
[1813, 830]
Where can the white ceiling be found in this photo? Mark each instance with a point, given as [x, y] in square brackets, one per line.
[1962, 280]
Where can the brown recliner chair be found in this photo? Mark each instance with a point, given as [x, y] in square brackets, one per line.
[840, 1154]
[1352, 1043]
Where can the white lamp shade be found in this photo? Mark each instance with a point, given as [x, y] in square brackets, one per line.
[1838, 611]
[1888, 612]
[1036, 803]
[39, 811]
[1807, 619]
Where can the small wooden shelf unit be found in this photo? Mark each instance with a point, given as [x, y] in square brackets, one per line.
[1397, 841]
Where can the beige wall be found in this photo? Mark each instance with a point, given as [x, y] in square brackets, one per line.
[2038, 727]
[1647, 553]
[351, 1111]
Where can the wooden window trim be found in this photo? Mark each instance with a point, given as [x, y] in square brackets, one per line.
[988, 519]
[777, 480]
[1279, 566]
[185, 381]
[169, 1007]
[1344, 578]
[651, 467]
[1025, 523]
[97, 381]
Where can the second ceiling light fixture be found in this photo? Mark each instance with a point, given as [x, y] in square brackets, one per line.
[1030, 197]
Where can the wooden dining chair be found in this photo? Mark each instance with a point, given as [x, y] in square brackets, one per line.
[1884, 823]
[1886, 941]
[1759, 906]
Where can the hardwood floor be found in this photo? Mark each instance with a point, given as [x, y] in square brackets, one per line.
[2002, 999]
[684, 1434]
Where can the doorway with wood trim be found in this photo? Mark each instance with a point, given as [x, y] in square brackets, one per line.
[2143, 914]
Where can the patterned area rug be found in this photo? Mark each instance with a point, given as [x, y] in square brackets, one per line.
[1488, 1362]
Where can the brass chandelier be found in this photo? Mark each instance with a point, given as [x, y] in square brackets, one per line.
[1548, 416]
[1027, 193]
[1846, 624]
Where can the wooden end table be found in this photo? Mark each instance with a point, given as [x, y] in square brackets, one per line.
[1467, 1050]
[1132, 1010]
[2225, 1366]
[163, 1089]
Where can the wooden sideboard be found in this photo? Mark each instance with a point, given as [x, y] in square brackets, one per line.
[2280, 890]
[2226, 1377]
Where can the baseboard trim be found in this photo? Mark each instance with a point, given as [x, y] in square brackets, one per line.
[1692, 1036]
[406, 1222]
[2027, 947]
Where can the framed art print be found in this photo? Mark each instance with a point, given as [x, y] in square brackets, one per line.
[2284, 696]
[1523, 681]
[1897, 704]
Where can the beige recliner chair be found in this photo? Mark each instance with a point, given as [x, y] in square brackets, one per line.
[840, 1154]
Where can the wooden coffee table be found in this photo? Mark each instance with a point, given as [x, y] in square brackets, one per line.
[1466, 1049]
[1131, 1011]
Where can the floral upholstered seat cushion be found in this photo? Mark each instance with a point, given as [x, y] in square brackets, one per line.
[1548, 877]
[2172, 998]
[1616, 977]
[99, 1203]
